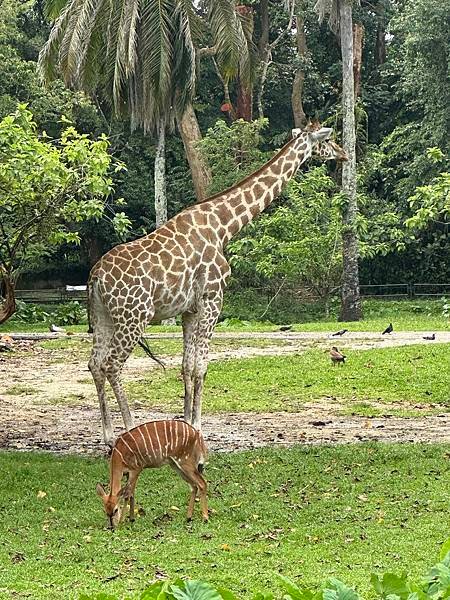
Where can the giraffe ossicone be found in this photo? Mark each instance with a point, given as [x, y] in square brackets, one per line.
[181, 269]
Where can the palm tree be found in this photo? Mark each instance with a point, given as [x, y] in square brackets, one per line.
[141, 57]
[340, 19]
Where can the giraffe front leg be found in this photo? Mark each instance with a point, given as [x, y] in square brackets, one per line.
[189, 326]
[207, 320]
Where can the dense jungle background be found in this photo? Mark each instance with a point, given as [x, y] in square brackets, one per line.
[402, 52]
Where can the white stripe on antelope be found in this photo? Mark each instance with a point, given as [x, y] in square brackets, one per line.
[140, 448]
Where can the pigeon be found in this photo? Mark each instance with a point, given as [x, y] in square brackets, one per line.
[340, 332]
[389, 329]
[285, 327]
[336, 356]
[430, 337]
[55, 329]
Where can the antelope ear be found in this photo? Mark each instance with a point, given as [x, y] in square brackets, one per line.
[321, 135]
[100, 490]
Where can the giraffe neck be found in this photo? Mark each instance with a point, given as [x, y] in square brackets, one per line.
[240, 204]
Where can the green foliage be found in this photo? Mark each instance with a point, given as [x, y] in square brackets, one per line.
[70, 313]
[298, 242]
[30, 313]
[432, 202]
[48, 188]
[233, 151]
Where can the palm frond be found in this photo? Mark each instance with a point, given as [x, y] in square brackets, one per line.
[184, 54]
[156, 57]
[48, 56]
[227, 34]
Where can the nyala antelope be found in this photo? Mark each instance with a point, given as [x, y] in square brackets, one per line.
[152, 445]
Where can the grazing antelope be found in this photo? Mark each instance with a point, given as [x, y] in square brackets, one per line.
[152, 445]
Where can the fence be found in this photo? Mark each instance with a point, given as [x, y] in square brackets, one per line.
[53, 296]
[405, 290]
[388, 291]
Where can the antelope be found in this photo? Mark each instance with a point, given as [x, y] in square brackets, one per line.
[152, 445]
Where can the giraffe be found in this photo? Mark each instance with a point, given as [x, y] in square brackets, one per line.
[180, 268]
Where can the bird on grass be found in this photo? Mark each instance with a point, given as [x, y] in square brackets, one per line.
[55, 329]
[340, 332]
[389, 329]
[336, 356]
[430, 337]
[285, 327]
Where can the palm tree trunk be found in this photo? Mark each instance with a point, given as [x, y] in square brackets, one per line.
[160, 176]
[8, 307]
[190, 134]
[350, 298]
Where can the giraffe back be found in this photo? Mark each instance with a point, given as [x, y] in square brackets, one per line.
[155, 443]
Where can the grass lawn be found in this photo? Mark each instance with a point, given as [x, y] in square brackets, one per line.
[406, 315]
[307, 513]
[406, 375]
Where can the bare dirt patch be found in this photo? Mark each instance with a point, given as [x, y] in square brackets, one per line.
[49, 402]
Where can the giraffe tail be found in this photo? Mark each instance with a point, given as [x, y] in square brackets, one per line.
[144, 345]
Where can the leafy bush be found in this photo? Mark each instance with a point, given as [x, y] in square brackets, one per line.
[70, 313]
[30, 313]
[389, 586]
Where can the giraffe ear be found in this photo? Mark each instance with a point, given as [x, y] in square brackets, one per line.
[321, 135]
[296, 132]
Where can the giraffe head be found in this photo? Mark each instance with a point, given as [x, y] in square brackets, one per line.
[318, 143]
[112, 505]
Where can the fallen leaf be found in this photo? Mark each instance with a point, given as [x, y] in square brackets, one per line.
[41, 494]
[174, 508]
[225, 547]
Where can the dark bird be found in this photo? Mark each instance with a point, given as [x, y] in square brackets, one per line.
[389, 329]
[340, 332]
[285, 327]
[430, 337]
[336, 356]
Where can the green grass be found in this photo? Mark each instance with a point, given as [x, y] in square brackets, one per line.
[406, 315]
[405, 375]
[307, 513]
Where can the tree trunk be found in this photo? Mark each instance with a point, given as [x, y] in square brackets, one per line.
[350, 298]
[244, 102]
[264, 19]
[380, 46]
[190, 134]
[358, 36]
[299, 78]
[160, 176]
[8, 308]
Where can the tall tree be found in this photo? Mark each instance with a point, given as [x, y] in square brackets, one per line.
[141, 57]
[340, 20]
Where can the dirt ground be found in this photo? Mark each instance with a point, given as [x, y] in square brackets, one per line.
[54, 404]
